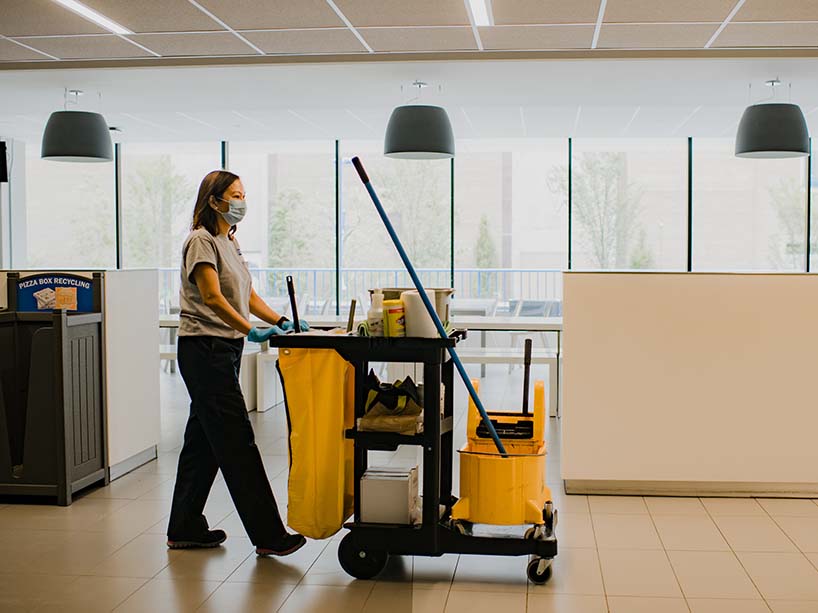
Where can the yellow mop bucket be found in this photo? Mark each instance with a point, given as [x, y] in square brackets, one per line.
[504, 490]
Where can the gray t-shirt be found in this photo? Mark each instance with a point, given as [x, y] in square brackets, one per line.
[196, 318]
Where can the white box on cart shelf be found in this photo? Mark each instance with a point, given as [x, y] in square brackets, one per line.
[389, 495]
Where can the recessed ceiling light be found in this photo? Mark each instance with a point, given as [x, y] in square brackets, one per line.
[480, 12]
[90, 14]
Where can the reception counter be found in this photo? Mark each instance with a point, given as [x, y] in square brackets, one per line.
[690, 384]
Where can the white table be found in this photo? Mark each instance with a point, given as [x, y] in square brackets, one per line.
[480, 323]
[471, 322]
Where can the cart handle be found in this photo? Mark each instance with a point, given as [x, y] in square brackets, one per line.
[293, 305]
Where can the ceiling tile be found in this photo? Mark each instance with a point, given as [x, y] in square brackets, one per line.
[273, 14]
[521, 12]
[655, 36]
[522, 38]
[337, 123]
[97, 47]
[155, 15]
[419, 39]
[201, 44]
[41, 18]
[601, 121]
[549, 120]
[778, 10]
[11, 52]
[282, 124]
[768, 35]
[667, 11]
[712, 120]
[495, 122]
[652, 121]
[402, 13]
[306, 41]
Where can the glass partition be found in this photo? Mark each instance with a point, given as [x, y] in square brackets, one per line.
[290, 223]
[70, 213]
[747, 214]
[511, 225]
[159, 186]
[629, 204]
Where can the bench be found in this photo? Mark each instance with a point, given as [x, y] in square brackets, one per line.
[268, 385]
[247, 379]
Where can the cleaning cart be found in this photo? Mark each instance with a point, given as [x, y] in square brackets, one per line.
[364, 551]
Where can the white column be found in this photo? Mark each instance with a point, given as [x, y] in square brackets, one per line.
[13, 208]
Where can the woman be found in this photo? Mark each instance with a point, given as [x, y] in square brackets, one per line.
[216, 301]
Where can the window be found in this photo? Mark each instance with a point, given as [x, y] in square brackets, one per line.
[70, 213]
[747, 214]
[159, 186]
[417, 197]
[290, 223]
[511, 219]
[813, 224]
[629, 204]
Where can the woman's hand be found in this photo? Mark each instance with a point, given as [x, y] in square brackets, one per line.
[287, 325]
[257, 335]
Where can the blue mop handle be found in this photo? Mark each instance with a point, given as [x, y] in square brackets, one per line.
[427, 303]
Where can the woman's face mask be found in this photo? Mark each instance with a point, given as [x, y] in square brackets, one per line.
[236, 211]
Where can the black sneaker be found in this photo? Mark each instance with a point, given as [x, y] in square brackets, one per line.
[212, 538]
[289, 544]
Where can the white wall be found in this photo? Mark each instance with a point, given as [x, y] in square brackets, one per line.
[132, 361]
[12, 208]
[701, 382]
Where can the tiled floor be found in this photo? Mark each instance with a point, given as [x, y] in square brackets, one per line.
[617, 554]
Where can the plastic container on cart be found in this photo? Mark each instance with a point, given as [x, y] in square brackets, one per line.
[507, 490]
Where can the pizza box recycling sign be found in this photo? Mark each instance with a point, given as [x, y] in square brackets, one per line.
[50, 292]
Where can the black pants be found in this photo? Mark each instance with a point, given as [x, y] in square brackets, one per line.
[219, 436]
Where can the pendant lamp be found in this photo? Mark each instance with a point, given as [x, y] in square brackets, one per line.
[419, 132]
[772, 130]
[76, 136]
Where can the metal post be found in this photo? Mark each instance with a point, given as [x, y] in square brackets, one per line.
[570, 194]
[118, 202]
[451, 221]
[339, 231]
[689, 203]
[809, 206]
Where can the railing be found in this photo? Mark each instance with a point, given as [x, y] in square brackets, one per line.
[317, 285]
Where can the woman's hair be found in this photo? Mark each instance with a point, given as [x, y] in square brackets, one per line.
[214, 184]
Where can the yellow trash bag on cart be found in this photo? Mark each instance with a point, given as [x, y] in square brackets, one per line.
[319, 395]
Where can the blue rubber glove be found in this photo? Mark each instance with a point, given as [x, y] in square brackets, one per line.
[256, 335]
[287, 325]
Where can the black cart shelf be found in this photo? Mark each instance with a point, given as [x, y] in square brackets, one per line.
[363, 552]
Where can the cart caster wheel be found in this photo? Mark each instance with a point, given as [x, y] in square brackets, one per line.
[539, 570]
[359, 562]
[463, 527]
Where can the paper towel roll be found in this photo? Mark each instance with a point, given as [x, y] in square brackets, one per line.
[418, 321]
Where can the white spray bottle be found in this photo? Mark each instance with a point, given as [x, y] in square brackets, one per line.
[374, 316]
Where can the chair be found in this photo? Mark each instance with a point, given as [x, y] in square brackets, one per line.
[535, 308]
[170, 363]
